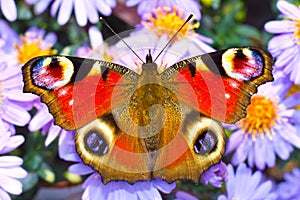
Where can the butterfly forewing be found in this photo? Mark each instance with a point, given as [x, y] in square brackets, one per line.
[222, 81]
[76, 90]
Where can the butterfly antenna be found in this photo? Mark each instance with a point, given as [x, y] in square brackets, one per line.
[171, 40]
[112, 30]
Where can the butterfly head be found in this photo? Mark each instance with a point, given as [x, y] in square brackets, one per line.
[149, 68]
[149, 57]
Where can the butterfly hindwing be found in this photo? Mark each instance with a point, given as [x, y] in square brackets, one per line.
[76, 90]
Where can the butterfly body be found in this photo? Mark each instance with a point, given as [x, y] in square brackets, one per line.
[140, 126]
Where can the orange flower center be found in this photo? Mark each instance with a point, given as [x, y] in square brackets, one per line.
[261, 117]
[31, 48]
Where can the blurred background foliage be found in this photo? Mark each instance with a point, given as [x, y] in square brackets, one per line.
[228, 22]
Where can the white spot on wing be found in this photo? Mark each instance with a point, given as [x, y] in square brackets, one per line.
[71, 102]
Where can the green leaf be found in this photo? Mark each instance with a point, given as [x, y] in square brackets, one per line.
[248, 31]
[32, 160]
[29, 181]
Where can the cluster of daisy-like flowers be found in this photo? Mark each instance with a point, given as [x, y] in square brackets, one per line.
[268, 132]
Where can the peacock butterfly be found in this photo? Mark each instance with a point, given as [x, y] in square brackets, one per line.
[139, 126]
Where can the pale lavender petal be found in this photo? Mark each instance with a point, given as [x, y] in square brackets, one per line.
[263, 190]
[65, 12]
[73, 157]
[18, 95]
[13, 143]
[9, 73]
[90, 180]
[95, 37]
[288, 9]
[31, 2]
[280, 26]
[270, 152]
[234, 141]
[281, 147]
[285, 57]
[92, 13]
[244, 173]
[230, 183]
[222, 197]
[103, 8]
[241, 152]
[164, 186]
[39, 120]
[145, 191]
[3, 129]
[10, 161]
[15, 172]
[279, 42]
[11, 185]
[191, 7]
[66, 145]
[252, 184]
[259, 156]
[295, 74]
[4, 195]
[50, 39]
[80, 12]
[130, 3]
[288, 68]
[80, 169]
[52, 134]
[41, 6]
[289, 133]
[9, 9]
[16, 115]
[292, 100]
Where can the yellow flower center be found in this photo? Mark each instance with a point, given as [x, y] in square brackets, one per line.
[261, 116]
[297, 31]
[170, 19]
[31, 48]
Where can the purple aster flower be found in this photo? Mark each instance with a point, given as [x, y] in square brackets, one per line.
[285, 46]
[10, 166]
[84, 10]
[17, 50]
[147, 6]
[14, 104]
[215, 175]
[95, 189]
[9, 9]
[247, 186]
[156, 33]
[290, 188]
[270, 129]
[167, 20]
